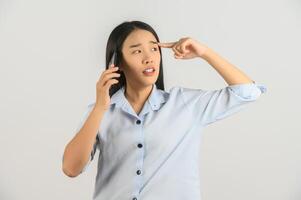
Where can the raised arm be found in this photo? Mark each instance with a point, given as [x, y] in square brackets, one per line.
[231, 74]
[208, 106]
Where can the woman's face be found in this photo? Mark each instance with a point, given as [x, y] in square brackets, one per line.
[140, 52]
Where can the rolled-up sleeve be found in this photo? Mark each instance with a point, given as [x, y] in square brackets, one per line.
[208, 106]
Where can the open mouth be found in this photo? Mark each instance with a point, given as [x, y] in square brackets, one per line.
[149, 71]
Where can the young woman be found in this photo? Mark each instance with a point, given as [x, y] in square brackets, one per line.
[149, 139]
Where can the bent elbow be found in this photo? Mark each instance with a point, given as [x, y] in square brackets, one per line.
[69, 172]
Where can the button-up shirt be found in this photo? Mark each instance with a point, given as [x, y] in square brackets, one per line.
[154, 155]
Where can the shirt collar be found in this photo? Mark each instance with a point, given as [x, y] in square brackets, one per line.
[155, 99]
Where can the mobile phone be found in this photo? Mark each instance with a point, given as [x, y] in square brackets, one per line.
[113, 61]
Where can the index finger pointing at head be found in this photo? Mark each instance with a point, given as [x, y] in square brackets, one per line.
[167, 44]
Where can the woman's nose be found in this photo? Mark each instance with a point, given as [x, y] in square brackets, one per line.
[148, 60]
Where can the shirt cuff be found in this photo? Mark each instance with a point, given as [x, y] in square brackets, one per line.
[248, 91]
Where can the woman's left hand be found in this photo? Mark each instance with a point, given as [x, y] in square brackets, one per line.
[185, 48]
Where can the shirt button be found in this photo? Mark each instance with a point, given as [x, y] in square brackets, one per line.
[138, 172]
[138, 121]
[134, 198]
[140, 145]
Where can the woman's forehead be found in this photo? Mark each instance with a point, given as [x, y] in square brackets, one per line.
[139, 36]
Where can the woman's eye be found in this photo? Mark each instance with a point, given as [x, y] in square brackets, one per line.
[136, 50]
[156, 49]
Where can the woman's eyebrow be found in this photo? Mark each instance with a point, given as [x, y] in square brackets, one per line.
[136, 45]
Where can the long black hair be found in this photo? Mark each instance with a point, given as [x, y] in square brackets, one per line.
[115, 43]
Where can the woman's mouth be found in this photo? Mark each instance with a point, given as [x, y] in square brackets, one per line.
[149, 71]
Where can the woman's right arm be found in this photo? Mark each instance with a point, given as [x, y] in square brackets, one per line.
[78, 150]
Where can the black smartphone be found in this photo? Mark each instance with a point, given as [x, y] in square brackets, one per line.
[113, 61]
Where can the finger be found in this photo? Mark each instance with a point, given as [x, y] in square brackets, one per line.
[167, 44]
[179, 49]
[178, 56]
[109, 70]
[176, 51]
[107, 77]
[183, 46]
[112, 67]
[108, 84]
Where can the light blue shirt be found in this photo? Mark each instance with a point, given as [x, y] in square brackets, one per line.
[155, 155]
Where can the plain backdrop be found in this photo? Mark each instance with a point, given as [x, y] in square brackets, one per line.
[53, 52]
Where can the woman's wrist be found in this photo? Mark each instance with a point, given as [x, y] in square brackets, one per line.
[206, 53]
[99, 108]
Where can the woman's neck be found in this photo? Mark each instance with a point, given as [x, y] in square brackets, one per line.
[137, 96]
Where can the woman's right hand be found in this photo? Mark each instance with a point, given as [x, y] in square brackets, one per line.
[103, 85]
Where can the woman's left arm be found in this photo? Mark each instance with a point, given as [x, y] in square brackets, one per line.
[231, 74]
[208, 106]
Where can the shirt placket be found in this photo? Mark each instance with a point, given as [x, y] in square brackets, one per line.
[140, 159]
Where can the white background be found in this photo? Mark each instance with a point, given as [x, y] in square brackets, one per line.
[53, 52]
